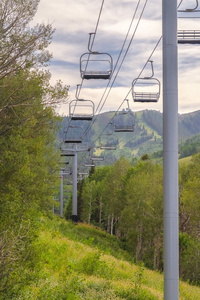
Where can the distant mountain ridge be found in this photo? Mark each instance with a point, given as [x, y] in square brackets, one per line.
[147, 136]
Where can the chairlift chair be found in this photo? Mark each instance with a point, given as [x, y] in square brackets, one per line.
[68, 154]
[81, 109]
[124, 120]
[108, 142]
[73, 135]
[97, 158]
[95, 65]
[83, 173]
[124, 128]
[89, 165]
[146, 89]
[189, 36]
[99, 67]
[194, 9]
[94, 158]
[110, 128]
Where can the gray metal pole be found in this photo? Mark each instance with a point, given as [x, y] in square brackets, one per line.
[61, 194]
[170, 150]
[74, 174]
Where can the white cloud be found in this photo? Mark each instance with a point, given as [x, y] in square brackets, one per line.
[73, 21]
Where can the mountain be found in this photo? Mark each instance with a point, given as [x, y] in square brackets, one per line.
[146, 138]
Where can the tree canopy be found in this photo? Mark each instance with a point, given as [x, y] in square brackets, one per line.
[28, 127]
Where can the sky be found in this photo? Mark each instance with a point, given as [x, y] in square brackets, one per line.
[75, 19]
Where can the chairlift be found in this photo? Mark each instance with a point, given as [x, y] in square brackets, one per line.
[146, 89]
[194, 9]
[66, 173]
[95, 65]
[109, 128]
[108, 142]
[80, 109]
[89, 165]
[73, 134]
[124, 120]
[97, 158]
[67, 153]
[94, 158]
[64, 170]
[189, 36]
[83, 173]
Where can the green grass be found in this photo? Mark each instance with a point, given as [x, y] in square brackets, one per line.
[185, 160]
[82, 262]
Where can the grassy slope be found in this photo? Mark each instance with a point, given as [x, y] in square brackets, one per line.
[182, 161]
[185, 160]
[81, 262]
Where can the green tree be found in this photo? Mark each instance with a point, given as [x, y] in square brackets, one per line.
[189, 186]
[100, 176]
[89, 196]
[27, 173]
[141, 219]
[114, 193]
[27, 133]
[189, 196]
[22, 46]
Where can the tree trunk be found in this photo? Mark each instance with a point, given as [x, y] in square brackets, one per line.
[112, 225]
[139, 250]
[90, 210]
[100, 212]
[108, 224]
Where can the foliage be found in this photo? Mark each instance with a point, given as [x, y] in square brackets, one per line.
[69, 269]
[22, 46]
[27, 134]
[154, 119]
[102, 196]
[27, 170]
[127, 201]
[142, 216]
[190, 146]
[189, 125]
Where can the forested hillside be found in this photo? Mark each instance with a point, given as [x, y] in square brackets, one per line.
[147, 135]
[127, 201]
[189, 146]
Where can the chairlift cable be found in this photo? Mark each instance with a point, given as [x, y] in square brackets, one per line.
[133, 18]
[124, 55]
[92, 43]
[118, 60]
[88, 128]
[138, 75]
[116, 76]
[128, 91]
[119, 70]
[97, 24]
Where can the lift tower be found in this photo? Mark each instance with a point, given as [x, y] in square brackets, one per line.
[170, 150]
